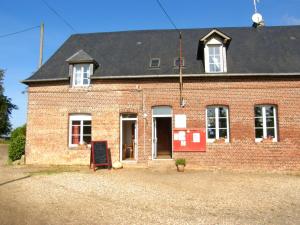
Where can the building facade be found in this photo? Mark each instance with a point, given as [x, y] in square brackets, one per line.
[240, 85]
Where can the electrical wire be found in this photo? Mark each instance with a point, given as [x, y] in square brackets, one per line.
[167, 15]
[58, 15]
[18, 32]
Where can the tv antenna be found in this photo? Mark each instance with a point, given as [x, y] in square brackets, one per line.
[257, 17]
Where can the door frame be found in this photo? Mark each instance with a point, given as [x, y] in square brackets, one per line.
[135, 139]
[152, 139]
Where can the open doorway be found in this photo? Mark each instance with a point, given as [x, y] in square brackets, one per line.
[128, 137]
[162, 132]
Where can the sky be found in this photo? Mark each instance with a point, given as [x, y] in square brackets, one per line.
[20, 53]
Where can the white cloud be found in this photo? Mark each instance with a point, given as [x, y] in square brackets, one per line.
[290, 20]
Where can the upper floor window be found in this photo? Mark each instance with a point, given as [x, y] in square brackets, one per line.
[80, 131]
[265, 122]
[215, 58]
[155, 63]
[217, 125]
[81, 75]
[215, 45]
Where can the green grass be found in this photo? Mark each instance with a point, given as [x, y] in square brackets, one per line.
[6, 142]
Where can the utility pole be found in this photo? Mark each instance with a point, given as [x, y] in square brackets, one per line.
[180, 70]
[41, 44]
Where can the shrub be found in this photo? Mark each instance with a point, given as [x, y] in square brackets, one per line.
[16, 147]
[180, 162]
[20, 131]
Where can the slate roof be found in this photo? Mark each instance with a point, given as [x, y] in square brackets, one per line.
[120, 54]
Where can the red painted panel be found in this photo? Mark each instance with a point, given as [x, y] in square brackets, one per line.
[189, 140]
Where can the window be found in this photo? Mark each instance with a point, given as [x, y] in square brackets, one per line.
[217, 123]
[80, 130]
[215, 57]
[155, 63]
[265, 122]
[177, 62]
[81, 75]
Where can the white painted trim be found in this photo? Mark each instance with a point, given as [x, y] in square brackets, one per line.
[81, 75]
[217, 32]
[264, 117]
[81, 118]
[217, 129]
[152, 139]
[136, 138]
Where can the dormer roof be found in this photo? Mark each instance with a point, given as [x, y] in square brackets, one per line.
[80, 57]
[226, 39]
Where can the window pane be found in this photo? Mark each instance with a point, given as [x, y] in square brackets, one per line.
[223, 133]
[211, 133]
[87, 122]
[222, 112]
[162, 110]
[259, 133]
[87, 130]
[87, 139]
[217, 50]
[212, 68]
[76, 122]
[210, 112]
[258, 111]
[271, 132]
[211, 123]
[86, 81]
[269, 111]
[211, 50]
[223, 123]
[86, 68]
[259, 122]
[270, 122]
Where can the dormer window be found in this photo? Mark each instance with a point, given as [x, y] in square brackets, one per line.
[81, 68]
[215, 45]
[81, 75]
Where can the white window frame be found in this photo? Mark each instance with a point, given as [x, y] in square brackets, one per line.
[217, 129]
[80, 118]
[223, 61]
[275, 139]
[81, 66]
[151, 65]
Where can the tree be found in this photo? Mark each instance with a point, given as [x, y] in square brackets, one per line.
[6, 108]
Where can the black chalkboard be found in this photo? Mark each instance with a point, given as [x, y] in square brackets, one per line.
[100, 154]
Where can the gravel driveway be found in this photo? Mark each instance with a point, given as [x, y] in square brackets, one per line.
[32, 195]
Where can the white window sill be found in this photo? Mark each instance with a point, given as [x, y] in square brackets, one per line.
[261, 140]
[217, 141]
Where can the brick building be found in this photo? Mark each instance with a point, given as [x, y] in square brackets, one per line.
[240, 85]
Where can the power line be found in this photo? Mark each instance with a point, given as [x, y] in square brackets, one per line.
[58, 15]
[18, 32]
[167, 15]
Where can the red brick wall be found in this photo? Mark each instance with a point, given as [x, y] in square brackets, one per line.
[51, 103]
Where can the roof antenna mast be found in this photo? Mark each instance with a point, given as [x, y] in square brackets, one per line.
[182, 102]
[257, 17]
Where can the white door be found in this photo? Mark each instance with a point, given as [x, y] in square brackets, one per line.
[135, 141]
[154, 139]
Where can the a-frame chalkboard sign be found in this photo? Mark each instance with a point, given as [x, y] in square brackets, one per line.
[100, 154]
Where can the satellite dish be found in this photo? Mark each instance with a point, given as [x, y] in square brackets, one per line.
[257, 18]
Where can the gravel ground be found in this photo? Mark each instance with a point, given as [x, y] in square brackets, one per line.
[33, 195]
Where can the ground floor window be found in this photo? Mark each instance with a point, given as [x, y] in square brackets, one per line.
[265, 122]
[80, 131]
[217, 123]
